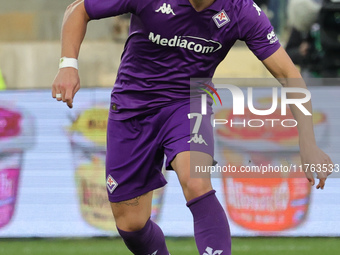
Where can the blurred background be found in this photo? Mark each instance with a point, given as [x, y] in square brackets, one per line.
[30, 48]
[50, 156]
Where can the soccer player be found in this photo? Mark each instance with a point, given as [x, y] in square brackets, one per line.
[152, 114]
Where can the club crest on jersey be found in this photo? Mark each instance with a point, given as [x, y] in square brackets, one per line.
[221, 19]
[111, 184]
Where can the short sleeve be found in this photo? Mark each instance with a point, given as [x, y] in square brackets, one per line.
[98, 9]
[255, 29]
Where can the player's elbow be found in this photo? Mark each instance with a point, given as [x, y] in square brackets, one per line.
[282, 67]
[77, 8]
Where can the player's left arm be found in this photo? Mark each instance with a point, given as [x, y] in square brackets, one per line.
[282, 68]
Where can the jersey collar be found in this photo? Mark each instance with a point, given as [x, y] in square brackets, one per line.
[216, 6]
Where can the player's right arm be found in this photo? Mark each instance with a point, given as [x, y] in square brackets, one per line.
[74, 26]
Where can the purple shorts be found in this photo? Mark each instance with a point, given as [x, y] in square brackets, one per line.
[136, 147]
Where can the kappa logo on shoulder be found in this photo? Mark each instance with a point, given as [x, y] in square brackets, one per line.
[258, 9]
[166, 9]
[210, 251]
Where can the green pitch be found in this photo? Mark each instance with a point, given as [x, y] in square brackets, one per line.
[177, 246]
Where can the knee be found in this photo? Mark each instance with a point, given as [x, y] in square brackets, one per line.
[129, 219]
[130, 223]
[195, 187]
[131, 215]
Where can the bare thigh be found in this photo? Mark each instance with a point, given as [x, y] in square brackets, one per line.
[183, 164]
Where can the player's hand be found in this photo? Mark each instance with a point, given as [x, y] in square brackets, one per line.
[315, 161]
[65, 85]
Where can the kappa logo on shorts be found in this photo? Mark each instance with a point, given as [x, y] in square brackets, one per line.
[197, 139]
[221, 19]
[210, 251]
[111, 184]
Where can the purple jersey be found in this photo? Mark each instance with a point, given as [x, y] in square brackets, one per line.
[169, 43]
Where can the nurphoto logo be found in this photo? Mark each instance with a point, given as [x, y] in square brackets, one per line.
[279, 102]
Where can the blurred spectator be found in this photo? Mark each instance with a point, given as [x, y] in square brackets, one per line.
[276, 12]
[121, 28]
[304, 42]
[262, 3]
[330, 38]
